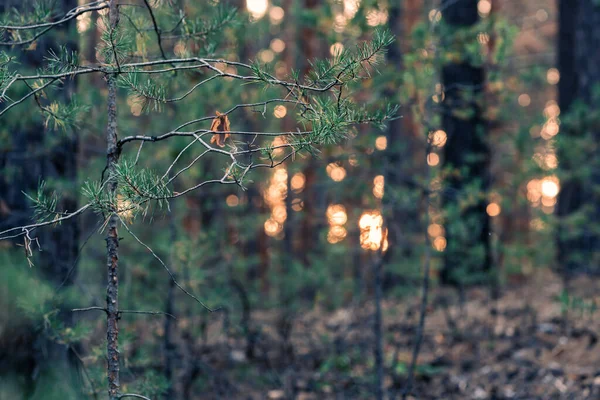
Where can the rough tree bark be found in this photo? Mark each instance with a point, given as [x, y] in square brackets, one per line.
[112, 237]
[466, 154]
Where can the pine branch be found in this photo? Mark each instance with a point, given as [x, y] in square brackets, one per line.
[201, 28]
[47, 26]
[74, 13]
[24, 229]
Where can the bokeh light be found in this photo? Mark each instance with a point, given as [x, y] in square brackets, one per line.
[232, 200]
[381, 143]
[257, 8]
[484, 7]
[524, 100]
[372, 233]
[439, 243]
[336, 172]
[276, 15]
[433, 159]
[493, 209]
[298, 181]
[438, 138]
[378, 186]
[553, 76]
[277, 45]
[280, 111]
[336, 214]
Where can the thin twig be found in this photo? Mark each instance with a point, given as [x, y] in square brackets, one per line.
[68, 16]
[166, 268]
[156, 30]
[26, 228]
[85, 371]
[196, 132]
[179, 155]
[137, 157]
[25, 97]
[66, 278]
[176, 131]
[422, 311]
[47, 25]
[147, 312]
[188, 167]
[93, 308]
[137, 396]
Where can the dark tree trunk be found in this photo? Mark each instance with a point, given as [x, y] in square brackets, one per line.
[404, 154]
[394, 169]
[378, 328]
[567, 20]
[34, 153]
[307, 46]
[257, 242]
[467, 257]
[579, 65]
[393, 173]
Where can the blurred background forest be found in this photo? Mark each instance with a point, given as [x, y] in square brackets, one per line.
[483, 196]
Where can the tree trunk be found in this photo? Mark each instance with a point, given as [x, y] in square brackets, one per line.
[405, 152]
[579, 65]
[307, 50]
[112, 237]
[378, 329]
[467, 257]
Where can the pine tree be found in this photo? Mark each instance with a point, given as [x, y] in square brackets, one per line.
[466, 155]
[32, 152]
[578, 91]
[139, 58]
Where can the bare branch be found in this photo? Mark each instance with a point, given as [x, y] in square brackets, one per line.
[156, 30]
[85, 370]
[206, 63]
[204, 131]
[77, 11]
[147, 312]
[137, 157]
[185, 168]
[176, 131]
[166, 268]
[175, 68]
[26, 228]
[26, 41]
[79, 252]
[179, 155]
[84, 70]
[137, 396]
[93, 308]
[49, 25]
[28, 95]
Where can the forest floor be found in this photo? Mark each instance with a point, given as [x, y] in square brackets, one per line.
[521, 346]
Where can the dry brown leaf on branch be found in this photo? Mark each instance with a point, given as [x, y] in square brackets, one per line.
[220, 124]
